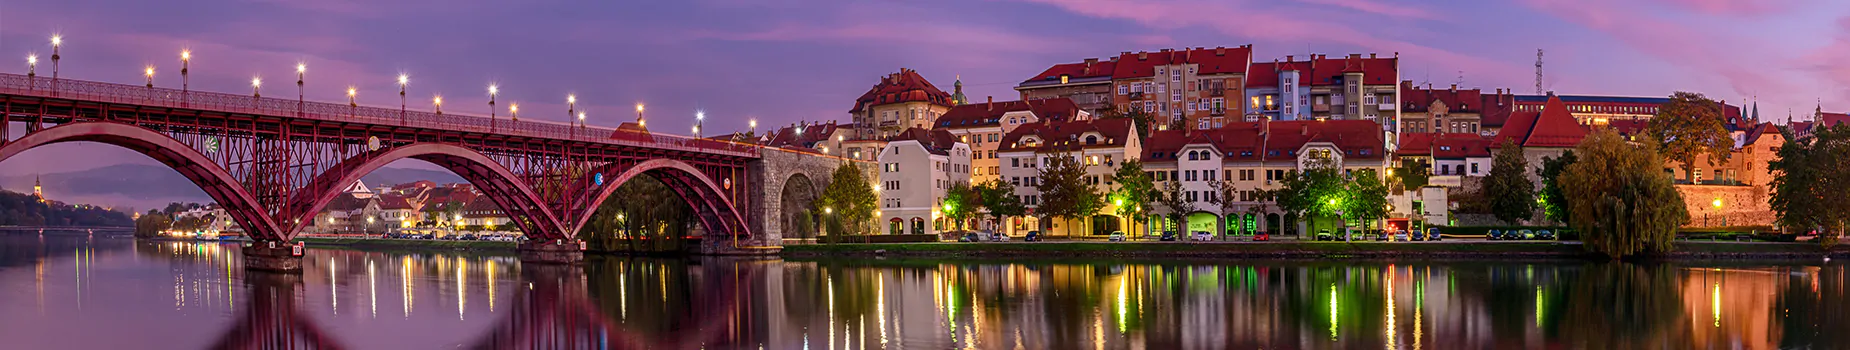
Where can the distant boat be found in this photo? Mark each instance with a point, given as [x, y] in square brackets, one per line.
[202, 237]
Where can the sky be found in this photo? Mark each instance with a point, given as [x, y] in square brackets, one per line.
[783, 61]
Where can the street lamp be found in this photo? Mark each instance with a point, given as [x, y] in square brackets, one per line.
[353, 105]
[186, 62]
[256, 86]
[492, 91]
[513, 111]
[438, 102]
[402, 81]
[32, 65]
[300, 70]
[56, 42]
[700, 118]
[149, 71]
[571, 106]
[639, 120]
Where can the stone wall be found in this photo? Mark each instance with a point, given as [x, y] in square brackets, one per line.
[772, 171]
[1740, 205]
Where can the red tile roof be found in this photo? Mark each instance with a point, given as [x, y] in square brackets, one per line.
[1219, 60]
[788, 136]
[1058, 135]
[936, 141]
[1554, 126]
[346, 202]
[905, 86]
[990, 113]
[1444, 145]
[481, 207]
[1326, 71]
[1417, 99]
[1089, 69]
[1358, 139]
[395, 202]
[1265, 74]
[1833, 119]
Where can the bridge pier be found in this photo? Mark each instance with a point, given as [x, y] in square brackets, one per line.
[552, 252]
[273, 256]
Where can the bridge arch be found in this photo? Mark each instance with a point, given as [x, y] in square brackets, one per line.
[195, 166]
[796, 199]
[716, 212]
[521, 203]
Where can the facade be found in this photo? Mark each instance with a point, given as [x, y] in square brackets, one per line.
[400, 211]
[1343, 88]
[900, 101]
[1607, 110]
[1820, 119]
[1198, 88]
[1087, 84]
[1251, 157]
[824, 137]
[1427, 110]
[983, 124]
[916, 169]
[1098, 144]
[481, 214]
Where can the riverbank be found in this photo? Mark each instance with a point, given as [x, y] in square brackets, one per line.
[1307, 250]
[408, 244]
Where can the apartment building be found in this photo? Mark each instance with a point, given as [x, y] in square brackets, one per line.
[1343, 88]
[916, 168]
[983, 124]
[1087, 84]
[900, 101]
[1453, 110]
[1198, 87]
[1252, 156]
[1616, 110]
[1098, 144]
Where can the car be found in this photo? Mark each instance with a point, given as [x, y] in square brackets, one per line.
[1203, 236]
[1432, 234]
[1116, 236]
[1493, 235]
[1525, 234]
[1262, 236]
[1033, 236]
[969, 237]
[1545, 235]
[1401, 235]
[1324, 235]
[1380, 235]
[998, 237]
[1168, 236]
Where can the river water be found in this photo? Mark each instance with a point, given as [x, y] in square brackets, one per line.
[113, 293]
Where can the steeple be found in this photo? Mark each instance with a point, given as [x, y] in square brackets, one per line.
[957, 94]
[1756, 109]
[38, 189]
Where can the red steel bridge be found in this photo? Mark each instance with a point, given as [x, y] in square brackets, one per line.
[274, 163]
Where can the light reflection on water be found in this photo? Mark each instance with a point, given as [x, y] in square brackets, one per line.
[186, 295]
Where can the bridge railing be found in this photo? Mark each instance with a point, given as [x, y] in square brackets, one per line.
[350, 113]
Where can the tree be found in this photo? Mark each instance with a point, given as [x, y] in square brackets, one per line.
[1139, 119]
[1414, 174]
[1622, 203]
[1134, 189]
[1811, 177]
[1554, 199]
[152, 224]
[1315, 191]
[1365, 198]
[1065, 193]
[1688, 126]
[1511, 194]
[961, 202]
[999, 200]
[637, 217]
[1172, 200]
[850, 198]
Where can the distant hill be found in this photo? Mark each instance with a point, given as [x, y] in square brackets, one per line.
[147, 186]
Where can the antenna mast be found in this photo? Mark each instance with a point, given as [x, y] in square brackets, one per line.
[1538, 71]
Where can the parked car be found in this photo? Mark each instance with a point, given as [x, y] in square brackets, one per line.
[1432, 234]
[1493, 235]
[1525, 234]
[970, 237]
[1033, 236]
[1324, 235]
[1401, 235]
[1203, 236]
[1168, 236]
[1545, 235]
[1380, 235]
[1262, 236]
[998, 237]
[1116, 236]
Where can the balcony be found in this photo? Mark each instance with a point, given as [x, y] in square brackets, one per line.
[1217, 92]
[1136, 96]
[1320, 108]
[1218, 112]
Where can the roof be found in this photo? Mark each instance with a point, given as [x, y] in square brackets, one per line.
[1090, 68]
[1326, 71]
[1731, 112]
[347, 202]
[1754, 133]
[1417, 100]
[1444, 145]
[990, 113]
[1554, 126]
[788, 136]
[1358, 139]
[481, 207]
[396, 202]
[453, 193]
[1219, 60]
[936, 141]
[1059, 135]
[1833, 119]
[905, 86]
[1265, 74]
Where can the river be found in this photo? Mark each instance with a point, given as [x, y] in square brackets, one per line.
[61, 292]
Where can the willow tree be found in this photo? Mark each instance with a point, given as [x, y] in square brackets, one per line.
[638, 216]
[1622, 203]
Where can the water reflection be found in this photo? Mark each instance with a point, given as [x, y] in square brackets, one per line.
[495, 302]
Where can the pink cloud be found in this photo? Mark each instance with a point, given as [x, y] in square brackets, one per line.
[1371, 6]
[1730, 7]
[1685, 45]
[1828, 61]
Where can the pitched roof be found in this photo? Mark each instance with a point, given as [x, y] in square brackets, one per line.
[905, 86]
[1444, 145]
[990, 113]
[1418, 99]
[1247, 141]
[1265, 74]
[396, 202]
[1554, 126]
[1090, 68]
[788, 136]
[936, 141]
[1326, 71]
[347, 202]
[1058, 135]
[481, 207]
[1219, 60]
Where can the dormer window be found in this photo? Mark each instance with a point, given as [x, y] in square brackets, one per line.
[1091, 140]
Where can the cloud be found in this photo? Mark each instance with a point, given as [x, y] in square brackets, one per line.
[1827, 62]
[1370, 6]
[1731, 7]
[1685, 45]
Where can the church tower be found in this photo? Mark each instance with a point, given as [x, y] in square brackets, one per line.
[38, 189]
[957, 94]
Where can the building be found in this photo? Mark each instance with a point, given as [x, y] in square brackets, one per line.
[916, 168]
[982, 125]
[1451, 156]
[352, 212]
[1343, 88]
[400, 211]
[1426, 110]
[38, 189]
[1194, 87]
[1098, 144]
[481, 214]
[900, 101]
[1806, 128]
[1251, 157]
[1087, 84]
[1605, 110]
[825, 137]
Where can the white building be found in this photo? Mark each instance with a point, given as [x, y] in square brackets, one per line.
[1251, 157]
[916, 169]
[1100, 146]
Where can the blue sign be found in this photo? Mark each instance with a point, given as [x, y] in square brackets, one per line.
[598, 179]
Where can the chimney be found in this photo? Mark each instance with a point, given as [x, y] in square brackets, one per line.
[1454, 88]
[1371, 55]
[1288, 58]
[1220, 51]
[1355, 55]
[991, 105]
[1143, 55]
[1090, 61]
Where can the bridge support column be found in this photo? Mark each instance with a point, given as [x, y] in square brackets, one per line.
[273, 256]
[552, 252]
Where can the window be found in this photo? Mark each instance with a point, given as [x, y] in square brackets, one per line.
[1474, 168]
[1136, 88]
[1192, 106]
[1014, 162]
[1123, 88]
[1368, 99]
[1175, 96]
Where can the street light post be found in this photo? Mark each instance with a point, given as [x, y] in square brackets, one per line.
[149, 71]
[353, 105]
[492, 91]
[56, 42]
[32, 71]
[438, 102]
[186, 62]
[639, 121]
[256, 87]
[402, 81]
[571, 107]
[300, 69]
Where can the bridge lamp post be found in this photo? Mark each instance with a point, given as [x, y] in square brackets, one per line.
[753, 123]
[353, 105]
[56, 42]
[256, 86]
[300, 69]
[571, 107]
[700, 118]
[513, 112]
[32, 71]
[492, 91]
[186, 63]
[639, 120]
[402, 81]
[437, 101]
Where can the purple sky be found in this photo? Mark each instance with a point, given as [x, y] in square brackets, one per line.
[784, 61]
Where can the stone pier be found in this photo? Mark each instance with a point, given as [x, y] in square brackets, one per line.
[552, 252]
[273, 256]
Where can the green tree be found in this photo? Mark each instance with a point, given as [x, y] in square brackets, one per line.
[1365, 197]
[1171, 199]
[1811, 177]
[961, 203]
[1133, 193]
[638, 216]
[1622, 203]
[850, 199]
[1414, 174]
[1554, 199]
[1139, 119]
[1065, 193]
[152, 224]
[999, 200]
[1316, 191]
[1688, 126]
[1511, 194]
